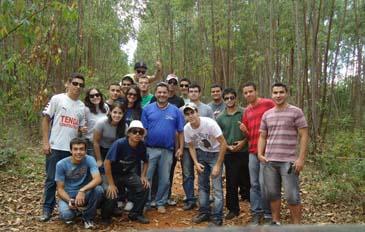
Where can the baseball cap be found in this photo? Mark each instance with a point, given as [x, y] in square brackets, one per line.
[140, 64]
[172, 76]
[190, 106]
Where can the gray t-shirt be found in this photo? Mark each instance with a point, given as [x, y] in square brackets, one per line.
[217, 108]
[107, 131]
[91, 120]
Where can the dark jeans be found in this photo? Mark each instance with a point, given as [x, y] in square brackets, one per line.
[134, 185]
[50, 183]
[236, 172]
[173, 165]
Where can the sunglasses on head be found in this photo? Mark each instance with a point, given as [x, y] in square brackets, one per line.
[172, 82]
[229, 98]
[184, 86]
[141, 71]
[94, 95]
[137, 131]
[75, 83]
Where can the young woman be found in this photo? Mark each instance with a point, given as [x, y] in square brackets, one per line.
[133, 104]
[108, 130]
[95, 110]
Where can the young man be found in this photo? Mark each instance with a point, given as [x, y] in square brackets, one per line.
[236, 158]
[184, 89]
[125, 83]
[121, 164]
[164, 123]
[63, 117]
[140, 69]
[187, 163]
[115, 94]
[78, 180]
[207, 147]
[277, 146]
[143, 84]
[250, 125]
[217, 104]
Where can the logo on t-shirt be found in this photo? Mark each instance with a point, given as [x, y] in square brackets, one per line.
[68, 121]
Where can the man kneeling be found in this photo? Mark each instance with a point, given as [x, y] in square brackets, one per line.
[122, 166]
[77, 180]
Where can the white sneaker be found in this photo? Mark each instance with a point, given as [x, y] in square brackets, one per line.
[128, 206]
[89, 225]
[153, 204]
[120, 204]
[171, 202]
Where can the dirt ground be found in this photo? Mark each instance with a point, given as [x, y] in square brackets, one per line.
[21, 197]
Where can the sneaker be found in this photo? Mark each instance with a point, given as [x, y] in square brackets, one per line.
[153, 204]
[255, 221]
[140, 218]
[89, 225]
[201, 218]
[45, 217]
[121, 204]
[273, 223]
[215, 223]
[231, 215]
[161, 209]
[117, 212]
[171, 202]
[189, 206]
[69, 222]
[128, 206]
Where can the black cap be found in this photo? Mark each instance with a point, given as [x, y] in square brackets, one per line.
[140, 64]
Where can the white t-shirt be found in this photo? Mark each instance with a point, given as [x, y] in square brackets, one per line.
[67, 116]
[205, 136]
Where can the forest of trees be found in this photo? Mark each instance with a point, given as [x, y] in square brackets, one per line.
[317, 47]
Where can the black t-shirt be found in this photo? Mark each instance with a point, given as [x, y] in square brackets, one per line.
[175, 100]
[125, 158]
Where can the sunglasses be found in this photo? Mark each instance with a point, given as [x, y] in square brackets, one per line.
[184, 86]
[137, 131]
[229, 98]
[74, 83]
[141, 71]
[94, 95]
[171, 82]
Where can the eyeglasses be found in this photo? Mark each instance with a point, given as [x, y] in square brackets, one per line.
[141, 71]
[229, 98]
[94, 95]
[75, 83]
[137, 131]
[172, 82]
[184, 86]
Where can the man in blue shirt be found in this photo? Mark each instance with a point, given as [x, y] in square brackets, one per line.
[121, 164]
[77, 179]
[162, 121]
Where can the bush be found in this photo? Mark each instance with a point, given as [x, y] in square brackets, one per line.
[7, 156]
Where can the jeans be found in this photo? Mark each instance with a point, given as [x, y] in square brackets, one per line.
[50, 183]
[172, 172]
[236, 171]
[135, 187]
[188, 176]
[275, 175]
[209, 159]
[258, 199]
[92, 199]
[160, 159]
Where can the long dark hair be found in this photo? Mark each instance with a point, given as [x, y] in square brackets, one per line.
[90, 105]
[137, 108]
[121, 124]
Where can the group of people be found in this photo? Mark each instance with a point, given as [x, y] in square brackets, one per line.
[105, 153]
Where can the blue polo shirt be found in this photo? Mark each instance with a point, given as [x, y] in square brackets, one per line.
[162, 125]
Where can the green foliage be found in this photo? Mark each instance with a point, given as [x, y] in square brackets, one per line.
[342, 166]
[7, 156]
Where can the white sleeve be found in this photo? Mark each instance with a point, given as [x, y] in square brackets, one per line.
[51, 107]
[215, 129]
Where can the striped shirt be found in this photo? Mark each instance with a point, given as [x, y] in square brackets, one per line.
[282, 132]
[252, 119]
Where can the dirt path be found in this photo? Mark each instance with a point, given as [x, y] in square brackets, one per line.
[20, 205]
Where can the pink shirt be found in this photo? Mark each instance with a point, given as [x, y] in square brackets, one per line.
[282, 132]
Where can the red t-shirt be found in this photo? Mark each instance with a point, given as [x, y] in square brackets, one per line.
[252, 119]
